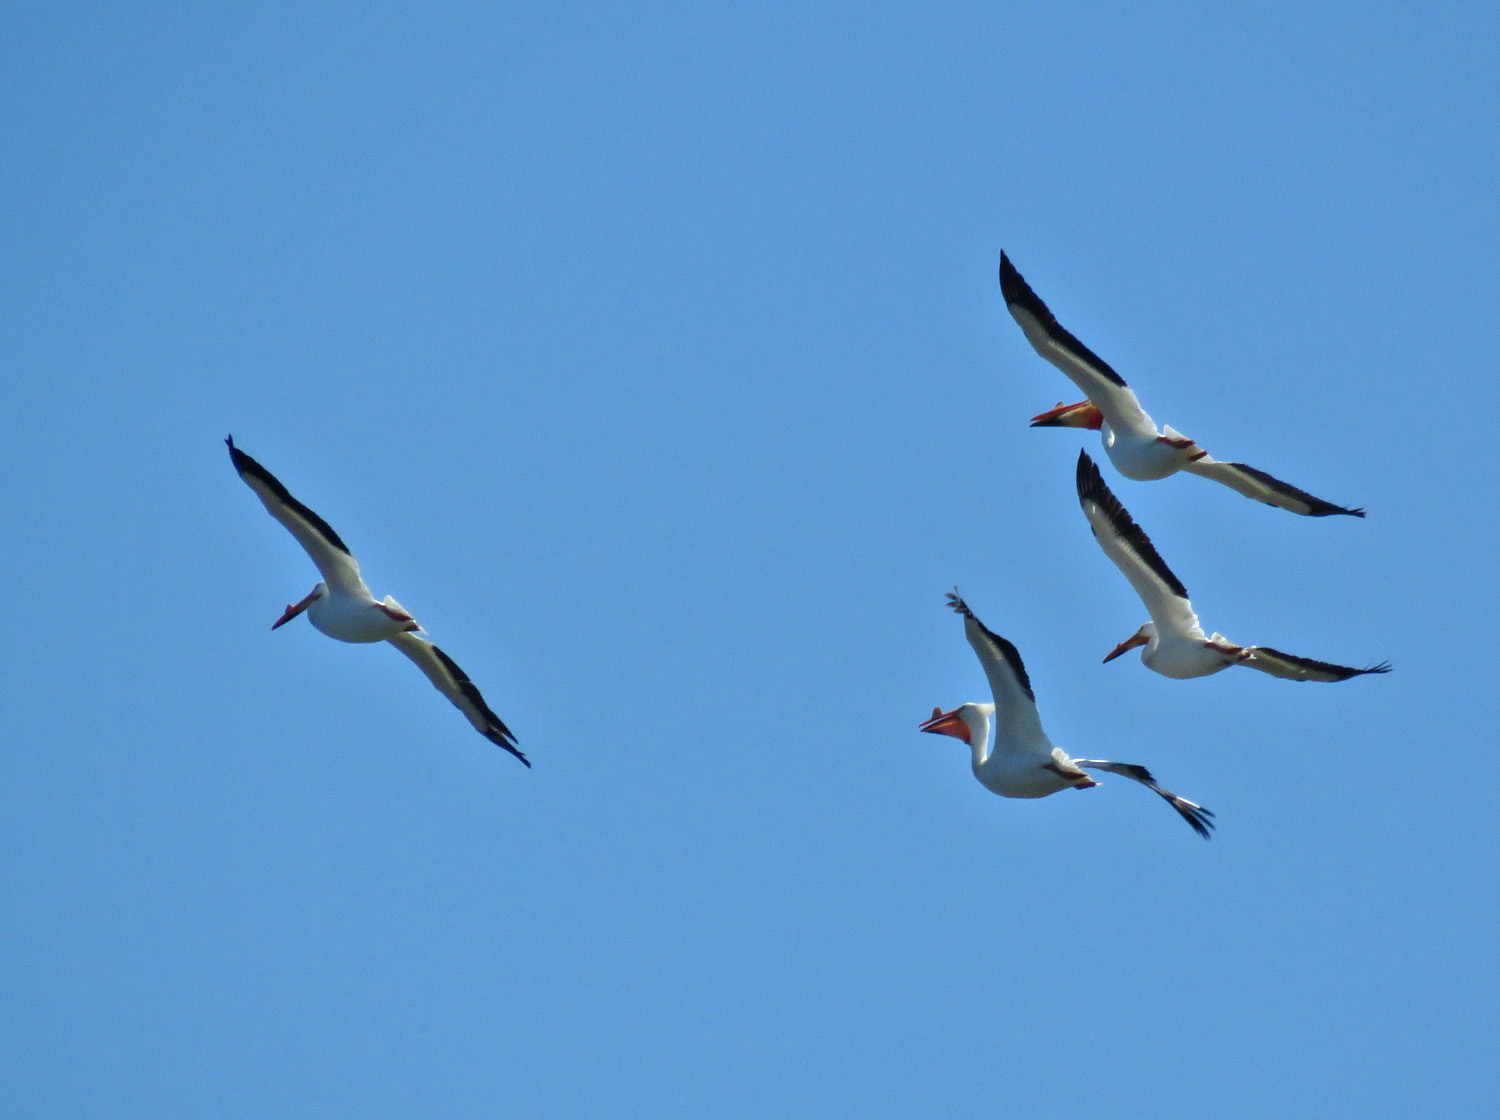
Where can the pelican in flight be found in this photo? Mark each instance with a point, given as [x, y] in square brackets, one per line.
[1023, 761]
[1131, 439]
[342, 607]
[1175, 644]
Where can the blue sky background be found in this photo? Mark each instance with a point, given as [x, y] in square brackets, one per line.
[654, 358]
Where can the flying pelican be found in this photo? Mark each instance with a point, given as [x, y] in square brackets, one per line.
[342, 607]
[1175, 644]
[1024, 763]
[1130, 437]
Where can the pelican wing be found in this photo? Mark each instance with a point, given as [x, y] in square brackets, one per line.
[1016, 720]
[1264, 488]
[1124, 542]
[328, 551]
[1291, 668]
[455, 684]
[1091, 373]
[1196, 815]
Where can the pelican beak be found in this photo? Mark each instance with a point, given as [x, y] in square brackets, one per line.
[1136, 639]
[947, 723]
[1080, 415]
[294, 609]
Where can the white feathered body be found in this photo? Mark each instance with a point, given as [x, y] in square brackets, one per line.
[351, 618]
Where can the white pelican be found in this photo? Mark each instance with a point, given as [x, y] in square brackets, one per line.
[1175, 644]
[1130, 437]
[342, 607]
[1024, 763]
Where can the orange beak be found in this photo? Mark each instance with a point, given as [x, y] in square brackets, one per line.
[947, 723]
[1080, 415]
[1136, 639]
[294, 609]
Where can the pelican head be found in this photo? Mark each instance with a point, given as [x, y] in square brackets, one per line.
[968, 722]
[1145, 634]
[294, 609]
[1080, 415]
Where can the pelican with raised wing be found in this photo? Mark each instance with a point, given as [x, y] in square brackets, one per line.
[1175, 643]
[1023, 761]
[1131, 439]
[342, 607]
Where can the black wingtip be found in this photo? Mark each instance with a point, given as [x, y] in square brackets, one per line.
[1013, 285]
[498, 733]
[1092, 488]
[1316, 506]
[243, 463]
[1201, 819]
[494, 730]
[1006, 647]
[1196, 815]
[1202, 822]
[1088, 475]
[1334, 674]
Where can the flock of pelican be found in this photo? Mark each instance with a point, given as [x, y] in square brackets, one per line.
[1012, 755]
[1022, 762]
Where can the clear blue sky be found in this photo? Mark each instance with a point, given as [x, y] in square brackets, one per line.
[654, 359]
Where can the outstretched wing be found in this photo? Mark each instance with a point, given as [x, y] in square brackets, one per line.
[1196, 815]
[339, 569]
[1125, 543]
[1292, 668]
[1053, 341]
[455, 684]
[1263, 488]
[1017, 724]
